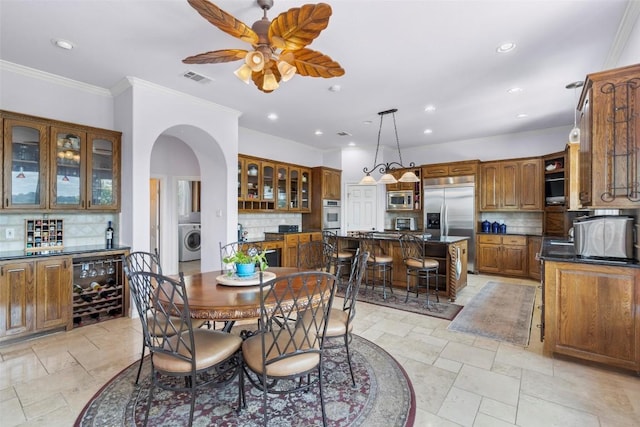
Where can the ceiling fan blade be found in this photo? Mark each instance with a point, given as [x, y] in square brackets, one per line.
[299, 26]
[216, 56]
[315, 64]
[224, 21]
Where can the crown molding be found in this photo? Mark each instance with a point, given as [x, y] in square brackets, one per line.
[627, 23]
[53, 78]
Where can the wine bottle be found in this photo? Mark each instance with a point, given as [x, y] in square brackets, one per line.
[109, 236]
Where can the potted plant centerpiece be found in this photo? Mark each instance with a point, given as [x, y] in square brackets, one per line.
[246, 260]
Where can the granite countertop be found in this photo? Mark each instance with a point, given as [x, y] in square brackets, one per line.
[66, 251]
[562, 250]
[394, 235]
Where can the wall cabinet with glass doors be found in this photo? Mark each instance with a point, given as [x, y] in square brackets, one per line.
[264, 185]
[59, 166]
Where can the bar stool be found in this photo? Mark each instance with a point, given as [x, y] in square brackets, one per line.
[418, 265]
[378, 263]
[339, 259]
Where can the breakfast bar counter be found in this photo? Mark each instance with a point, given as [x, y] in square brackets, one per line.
[449, 251]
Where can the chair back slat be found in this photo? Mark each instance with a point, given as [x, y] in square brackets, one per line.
[298, 324]
[358, 267]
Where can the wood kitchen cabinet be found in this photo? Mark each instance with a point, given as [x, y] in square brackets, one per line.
[533, 248]
[53, 165]
[267, 186]
[35, 296]
[511, 185]
[450, 169]
[610, 139]
[503, 254]
[85, 169]
[325, 185]
[291, 243]
[25, 163]
[592, 312]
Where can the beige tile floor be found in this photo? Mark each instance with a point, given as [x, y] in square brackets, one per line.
[458, 379]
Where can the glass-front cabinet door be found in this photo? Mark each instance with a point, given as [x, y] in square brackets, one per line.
[268, 174]
[25, 161]
[305, 190]
[253, 180]
[103, 170]
[283, 174]
[67, 169]
[294, 188]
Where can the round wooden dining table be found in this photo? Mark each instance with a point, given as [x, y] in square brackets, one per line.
[210, 300]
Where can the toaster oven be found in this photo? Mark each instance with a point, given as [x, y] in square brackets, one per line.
[405, 224]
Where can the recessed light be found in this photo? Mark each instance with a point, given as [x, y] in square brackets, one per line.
[522, 116]
[506, 47]
[351, 144]
[318, 132]
[272, 116]
[428, 131]
[63, 44]
[367, 122]
[515, 90]
[430, 108]
[334, 88]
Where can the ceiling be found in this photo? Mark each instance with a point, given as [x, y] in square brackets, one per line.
[396, 54]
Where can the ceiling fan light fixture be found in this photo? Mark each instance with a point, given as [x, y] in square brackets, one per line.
[255, 60]
[243, 73]
[287, 71]
[409, 177]
[270, 82]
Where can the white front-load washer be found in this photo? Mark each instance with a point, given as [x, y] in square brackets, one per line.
[189, 242]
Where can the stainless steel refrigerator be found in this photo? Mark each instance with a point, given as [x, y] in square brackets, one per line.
[449, 210]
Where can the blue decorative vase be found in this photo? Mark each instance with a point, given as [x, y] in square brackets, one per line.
[245, 270]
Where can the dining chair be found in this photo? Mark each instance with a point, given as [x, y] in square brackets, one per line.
[418, 265]
[341, 320]
[178, 350]
[141, 261]
[230, 249]
[142, 291]
[379, 264]
[281, 357]
[338, 257]
[315, 255]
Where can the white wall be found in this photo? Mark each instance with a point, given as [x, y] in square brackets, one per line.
[212, 133]
[272, 147]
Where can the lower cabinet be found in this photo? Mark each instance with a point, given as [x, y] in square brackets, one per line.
[503, 254]
[291, 243]
[592, 312]
[35, 296]
[535, 266]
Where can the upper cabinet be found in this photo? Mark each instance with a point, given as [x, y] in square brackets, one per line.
[610, 139]
[84, 169]
[55, 165]
[450, 169]
[264, 185]
[331, 183]
[511, 185]
[25, 164]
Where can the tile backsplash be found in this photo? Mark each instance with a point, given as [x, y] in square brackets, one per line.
[256, 224]
[79, 229]
[517, 222]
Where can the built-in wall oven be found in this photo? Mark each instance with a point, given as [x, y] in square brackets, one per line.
[331, 214]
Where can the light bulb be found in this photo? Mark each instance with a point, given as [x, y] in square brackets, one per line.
[574, 135]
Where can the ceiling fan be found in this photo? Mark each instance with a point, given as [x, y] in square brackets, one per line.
[279, 46]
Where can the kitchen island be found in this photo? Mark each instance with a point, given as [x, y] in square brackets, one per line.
[591, 307]
[446, 250]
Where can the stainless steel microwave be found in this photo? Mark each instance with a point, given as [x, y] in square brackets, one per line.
[400, 200]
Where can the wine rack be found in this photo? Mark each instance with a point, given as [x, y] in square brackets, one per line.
[98, 289]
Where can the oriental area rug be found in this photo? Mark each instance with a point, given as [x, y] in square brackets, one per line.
[500, 311]
[383, 397]
[442, 310]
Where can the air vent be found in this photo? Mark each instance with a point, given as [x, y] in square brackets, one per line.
[192, 75]
[343, 133]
